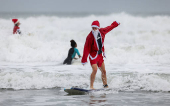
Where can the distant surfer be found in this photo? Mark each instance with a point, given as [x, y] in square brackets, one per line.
[16, 29]
[72, 53]
[94, 48]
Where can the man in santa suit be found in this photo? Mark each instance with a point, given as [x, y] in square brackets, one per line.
[16, 29]
[94, 48]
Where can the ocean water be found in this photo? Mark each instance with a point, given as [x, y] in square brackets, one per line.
[137, 63]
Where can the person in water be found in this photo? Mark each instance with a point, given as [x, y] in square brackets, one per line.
[72, 53]
[16, 29]
[94, 48]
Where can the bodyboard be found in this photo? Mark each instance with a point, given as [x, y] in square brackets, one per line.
[80, 91]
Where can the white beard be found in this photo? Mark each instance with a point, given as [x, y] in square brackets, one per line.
[95, 33]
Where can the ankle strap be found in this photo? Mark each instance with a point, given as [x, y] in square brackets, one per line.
[105, 85]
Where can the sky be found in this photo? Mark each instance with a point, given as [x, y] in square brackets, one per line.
[103, 6]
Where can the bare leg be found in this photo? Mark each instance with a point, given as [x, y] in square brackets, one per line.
[93, 75]
[103, 76]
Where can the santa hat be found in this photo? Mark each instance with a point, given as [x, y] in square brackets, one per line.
[95, 24]
[15, 21]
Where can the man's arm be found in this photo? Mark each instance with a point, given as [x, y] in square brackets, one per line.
[109, 28]
[86, 51]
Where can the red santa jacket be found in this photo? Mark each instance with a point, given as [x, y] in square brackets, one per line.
[91, 45]
[16, 30]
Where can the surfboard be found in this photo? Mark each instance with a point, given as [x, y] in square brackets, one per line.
[80, 91]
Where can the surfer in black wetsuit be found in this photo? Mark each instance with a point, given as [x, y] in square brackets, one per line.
[72, 53]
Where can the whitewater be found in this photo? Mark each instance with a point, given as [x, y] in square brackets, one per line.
[137, 53]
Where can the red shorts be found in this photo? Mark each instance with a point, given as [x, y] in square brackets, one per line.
[99, 60]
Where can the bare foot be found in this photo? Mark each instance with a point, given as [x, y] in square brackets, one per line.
[91, 88]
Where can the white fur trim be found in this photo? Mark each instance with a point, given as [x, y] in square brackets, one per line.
[95, 26]
[84, 63]
[17, 22]
[117, 22]
[92, 58]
